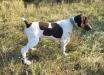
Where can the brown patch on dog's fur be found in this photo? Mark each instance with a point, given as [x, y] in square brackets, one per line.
[43, 25]
[85, 20]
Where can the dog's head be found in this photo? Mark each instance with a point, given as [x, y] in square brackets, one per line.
[82, 21]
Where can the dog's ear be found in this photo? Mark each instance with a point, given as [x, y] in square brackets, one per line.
[78, 19]
[88, 17]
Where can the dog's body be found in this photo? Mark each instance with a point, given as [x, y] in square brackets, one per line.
[59, 30]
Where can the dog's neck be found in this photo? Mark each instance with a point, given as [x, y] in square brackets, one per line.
[73, 22]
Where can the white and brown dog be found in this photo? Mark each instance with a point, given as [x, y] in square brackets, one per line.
[60, 30]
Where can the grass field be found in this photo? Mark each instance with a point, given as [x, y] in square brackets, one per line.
[86, 49]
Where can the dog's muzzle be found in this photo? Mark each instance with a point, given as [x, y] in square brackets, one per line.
[87, 27]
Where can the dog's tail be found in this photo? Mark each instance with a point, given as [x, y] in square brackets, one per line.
[26, 22]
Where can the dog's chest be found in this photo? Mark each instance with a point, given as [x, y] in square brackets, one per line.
[51, 29]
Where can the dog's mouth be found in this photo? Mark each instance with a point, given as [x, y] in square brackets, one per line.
[87, 27]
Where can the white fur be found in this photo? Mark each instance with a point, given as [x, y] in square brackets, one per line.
[23, 18]
[34, 33]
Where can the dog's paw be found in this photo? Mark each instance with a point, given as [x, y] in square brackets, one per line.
[65, 54]
[27, 62]
[33, 49]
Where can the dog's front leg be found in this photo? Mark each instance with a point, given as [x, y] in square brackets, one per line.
[24, 50]
[63, 46]
[32, 42]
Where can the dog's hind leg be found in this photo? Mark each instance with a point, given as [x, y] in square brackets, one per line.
[32, 42]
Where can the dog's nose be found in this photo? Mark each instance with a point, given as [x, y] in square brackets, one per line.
[90, 27]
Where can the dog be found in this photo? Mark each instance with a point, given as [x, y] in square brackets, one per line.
[60, 30]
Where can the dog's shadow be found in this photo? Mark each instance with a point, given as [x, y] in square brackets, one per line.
[33, 56]
[42, 55]
[45, 50]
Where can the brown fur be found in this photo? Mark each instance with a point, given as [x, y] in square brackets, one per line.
[55, 31]
[43, 25]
